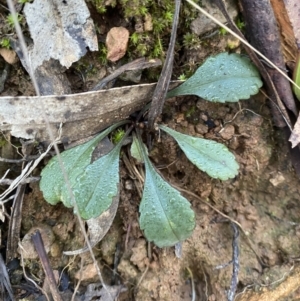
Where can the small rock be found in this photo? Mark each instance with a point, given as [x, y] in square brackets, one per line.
[139, 255]
[116, 43]
[227, 132]
[203, 24]
[27, 247]
[277, 179]
[127, 269]
[9, 55]
[179, 118]
[184, 123]
[128, 185]
[89, 272]
[191, 129]
[201, 128]
[234, 143]
[148, 24]
[55, 250]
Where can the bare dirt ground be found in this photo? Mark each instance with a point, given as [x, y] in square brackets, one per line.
[263, 199]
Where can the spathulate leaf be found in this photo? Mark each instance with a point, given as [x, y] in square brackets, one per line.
[75, 160]
[95, 189]
[223, 78]
[209, 156]
[165, 215]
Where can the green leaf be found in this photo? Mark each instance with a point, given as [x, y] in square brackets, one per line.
[225, 77]
[96, 187]
[296, 77]
[212, 157]
[75, 160]
[165, 215]
[135, 151]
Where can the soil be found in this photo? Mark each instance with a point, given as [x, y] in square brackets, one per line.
[263, 199]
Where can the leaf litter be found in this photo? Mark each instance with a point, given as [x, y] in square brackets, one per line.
[229, 199]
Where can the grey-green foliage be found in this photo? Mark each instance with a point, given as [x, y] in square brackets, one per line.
[212, 157]
[165, 215]
[77, 165]
[135, 150]
[96, 187]
[225, 77]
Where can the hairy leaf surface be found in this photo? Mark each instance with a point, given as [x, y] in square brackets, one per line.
[225, 77]
[75, 161]
[96, 187]
[212, 157]
[165, 215]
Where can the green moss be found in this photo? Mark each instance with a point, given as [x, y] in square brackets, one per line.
[5, 43]
[182, 76]
[102, 54]
[100, 5]
[222, 31]
[191, 111]
[117, 135]
[10, 19]
[240, 24]
[2, 142]
[191, 41]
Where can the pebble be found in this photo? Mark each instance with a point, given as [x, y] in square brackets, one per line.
[116, 43]
[27, 247]
[227, 132]
[88, 272]
[201, 128]
[9, 55]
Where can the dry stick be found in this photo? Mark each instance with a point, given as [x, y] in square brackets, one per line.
[40, 249]
[137, 64]
[235, 263]
[25, 181]
[79, 281]
[25, 274]
[14, 228]
[162, 86]
[66, 178]
[12, 160]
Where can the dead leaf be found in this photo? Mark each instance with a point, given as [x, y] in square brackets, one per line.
[61, 30]
[99, 226]
[293, 11]
[295, 136]
[289, 46]
[82, 115]
[108, 294]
